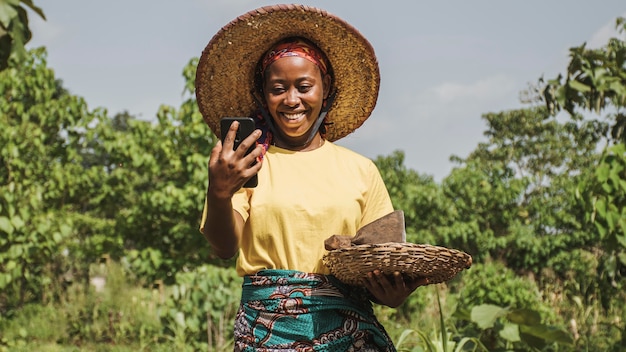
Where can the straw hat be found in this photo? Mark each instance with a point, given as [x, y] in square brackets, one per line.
[438, 264]
[226, 69]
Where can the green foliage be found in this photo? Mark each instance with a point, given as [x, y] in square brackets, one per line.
[34, 322]
[119, 312]
[157, 186]
[76, 184]
[483, 327]
[41, 179]
[201, 308]
[484, 204]
[14, 31]
[515, 192]
[596, 81]
[196, 313]
[418, 341]
[513, 329]
[574, 272]
[421, 199]
[603, 195]
[79, 187]
[493, 283]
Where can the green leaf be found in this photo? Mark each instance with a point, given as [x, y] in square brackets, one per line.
[8, 12]
[548, 333]
[611, 265]
[65, 230]
[20, 35]
[180, 319]
[17, 222]
[155, 258]
[622, 185]
[5, 279]
[176, 292]
[485, 315]
[579, 86]
[36, 9]
[601, 229]
[613, 218]
[602, 172]
[622, 258]
[193, 324]
[601, 207]
[524, 317]
[5, 225]
[404, 336]
[510, 332]
[427, 341]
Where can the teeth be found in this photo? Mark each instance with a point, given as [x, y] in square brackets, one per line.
[293, 116]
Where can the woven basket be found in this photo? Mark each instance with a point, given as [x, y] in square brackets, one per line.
[438, 264]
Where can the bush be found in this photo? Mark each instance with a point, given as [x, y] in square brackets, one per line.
[493, 283]
[199, 311]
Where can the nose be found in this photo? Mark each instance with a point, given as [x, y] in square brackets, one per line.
[292, 97]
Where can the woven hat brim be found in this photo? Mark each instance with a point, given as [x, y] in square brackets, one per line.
[226, 68]
[438, 264]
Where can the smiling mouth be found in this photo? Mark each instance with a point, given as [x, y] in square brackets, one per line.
[293, 117]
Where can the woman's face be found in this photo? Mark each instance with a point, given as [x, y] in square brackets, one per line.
[294, 92]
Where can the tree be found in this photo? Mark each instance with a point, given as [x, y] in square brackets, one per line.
[76, 184]
[517, 188]
[512, 198]
[42, 180]
[418, 196]
[595, 80]
[14, 31]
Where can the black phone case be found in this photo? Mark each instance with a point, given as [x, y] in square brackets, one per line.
[246, 127]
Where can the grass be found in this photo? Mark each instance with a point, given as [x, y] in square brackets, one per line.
[122, 317]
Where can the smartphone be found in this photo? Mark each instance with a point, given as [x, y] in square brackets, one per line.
[246, 127]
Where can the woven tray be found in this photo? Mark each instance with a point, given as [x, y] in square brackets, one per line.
[439, 264]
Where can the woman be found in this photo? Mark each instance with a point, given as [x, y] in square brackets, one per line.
[308, 78]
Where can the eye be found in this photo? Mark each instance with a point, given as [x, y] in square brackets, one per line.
[277, 90]
[303, 88]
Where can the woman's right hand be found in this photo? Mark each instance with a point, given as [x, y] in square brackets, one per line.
[230, 169]
[391, 290]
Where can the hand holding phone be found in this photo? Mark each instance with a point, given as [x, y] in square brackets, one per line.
[246, 127]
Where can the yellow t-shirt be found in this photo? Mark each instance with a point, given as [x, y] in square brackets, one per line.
[302, 199]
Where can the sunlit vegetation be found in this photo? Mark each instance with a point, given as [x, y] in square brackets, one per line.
[99, 214]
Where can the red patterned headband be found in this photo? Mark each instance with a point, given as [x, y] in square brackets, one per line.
[296, 47]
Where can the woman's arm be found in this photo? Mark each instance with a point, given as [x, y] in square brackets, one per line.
[228, 170]
[223, 227]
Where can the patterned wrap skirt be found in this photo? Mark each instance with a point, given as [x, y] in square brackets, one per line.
[286, 310]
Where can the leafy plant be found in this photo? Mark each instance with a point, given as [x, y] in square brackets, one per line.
[493, 283]
[201, 307]
[14, 31]
[595, 81]
[41, 179]
[512, 329]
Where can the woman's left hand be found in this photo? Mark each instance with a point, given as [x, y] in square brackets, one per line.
[391, 290]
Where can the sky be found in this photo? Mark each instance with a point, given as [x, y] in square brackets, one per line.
[443, 63]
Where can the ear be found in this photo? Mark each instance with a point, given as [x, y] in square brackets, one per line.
[326, 82]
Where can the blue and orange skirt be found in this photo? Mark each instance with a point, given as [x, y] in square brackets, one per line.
[286, 310]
